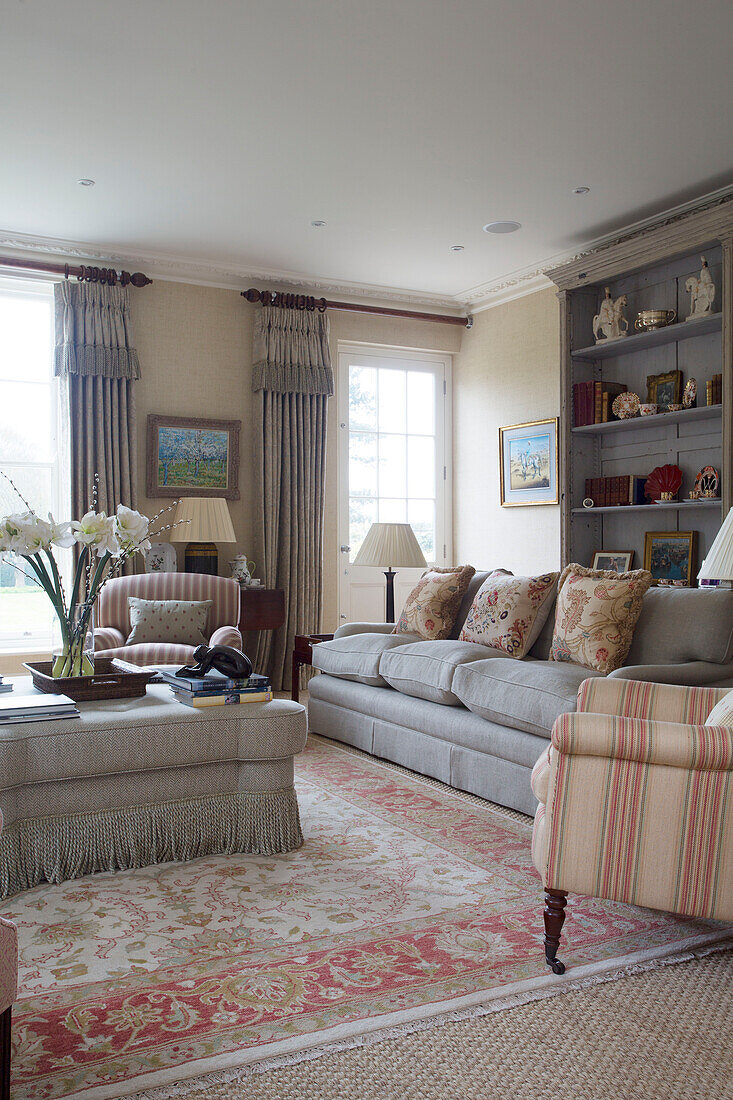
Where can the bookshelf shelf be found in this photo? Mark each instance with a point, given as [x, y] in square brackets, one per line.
[705, 412]
[673, 506]
[641, 341]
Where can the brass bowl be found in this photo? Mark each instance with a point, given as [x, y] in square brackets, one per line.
[654, 318]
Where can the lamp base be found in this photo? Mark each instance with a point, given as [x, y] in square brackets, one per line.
[202, 557]
[390, 574]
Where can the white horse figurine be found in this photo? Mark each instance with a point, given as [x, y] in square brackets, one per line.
[701, 291]
[610, 318]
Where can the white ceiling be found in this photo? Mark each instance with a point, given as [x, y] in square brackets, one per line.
[216, 131]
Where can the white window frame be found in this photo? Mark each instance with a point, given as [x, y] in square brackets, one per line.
[60, 471]
[441, 365]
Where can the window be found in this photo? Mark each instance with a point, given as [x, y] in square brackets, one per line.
[32, 424]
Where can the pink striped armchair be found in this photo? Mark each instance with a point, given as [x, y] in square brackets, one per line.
[8, 993]
[113, 617]
[635, 800]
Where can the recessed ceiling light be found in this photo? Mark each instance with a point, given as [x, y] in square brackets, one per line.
[456, 248]
[581, 190]
[86, 183]
[318, 224]
[502, 227]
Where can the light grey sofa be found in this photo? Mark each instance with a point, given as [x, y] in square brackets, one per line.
[477, 719]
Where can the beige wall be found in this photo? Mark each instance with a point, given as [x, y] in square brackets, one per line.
[507, 372]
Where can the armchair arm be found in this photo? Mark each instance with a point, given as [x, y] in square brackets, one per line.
[226, 635]
[688, 674]
[363, 628]
[626, 698]
[107, 637]
[673, 744]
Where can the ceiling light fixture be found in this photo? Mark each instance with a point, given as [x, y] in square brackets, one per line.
[456, 248]
[318, 223]
[581, 190]
[86, 183]
[502, 227]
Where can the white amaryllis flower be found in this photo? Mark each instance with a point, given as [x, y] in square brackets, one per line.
[60, 533]
[131, 529]
[25, 533]
[96, 530]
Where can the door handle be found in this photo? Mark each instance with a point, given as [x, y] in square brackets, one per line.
[345, 549]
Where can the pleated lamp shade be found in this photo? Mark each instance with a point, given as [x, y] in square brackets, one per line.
[391, 544]
[203, 519]
[718, 565]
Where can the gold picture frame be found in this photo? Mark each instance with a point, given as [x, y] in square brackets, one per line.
[664, 389]
[529, 463]
[670, 557]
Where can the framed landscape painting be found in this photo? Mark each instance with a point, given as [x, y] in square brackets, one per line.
[528, 463]
[189, 456]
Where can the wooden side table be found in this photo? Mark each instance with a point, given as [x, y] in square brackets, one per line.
[303, 655]
[261, 608]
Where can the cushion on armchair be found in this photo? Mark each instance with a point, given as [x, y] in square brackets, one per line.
[178, 622]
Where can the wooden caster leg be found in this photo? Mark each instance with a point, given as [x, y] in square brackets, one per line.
[554, 914]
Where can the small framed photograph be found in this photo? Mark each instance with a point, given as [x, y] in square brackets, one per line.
[664, 389]
[616, 561]
[189, 456]
[528, 463]
[670, 556]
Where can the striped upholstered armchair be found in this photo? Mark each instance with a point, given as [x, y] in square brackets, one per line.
[112, 627]
[636, 803]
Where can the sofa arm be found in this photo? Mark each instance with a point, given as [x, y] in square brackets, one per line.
[641, 699]
[107, 637]
[348, 629]
[687, 674]
[226, 635]
[671, 744]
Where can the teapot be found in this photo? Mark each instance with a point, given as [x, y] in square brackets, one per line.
[242, 569]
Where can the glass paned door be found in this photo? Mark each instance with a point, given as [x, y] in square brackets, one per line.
[393, 466]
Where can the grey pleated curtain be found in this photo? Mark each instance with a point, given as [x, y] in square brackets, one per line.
[293, 379]
[95, 354]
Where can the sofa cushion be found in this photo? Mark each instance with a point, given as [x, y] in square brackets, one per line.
[425, 669]
[508, 612]
[677, 625]
[357, 656]
[431, 608]
[529, 695]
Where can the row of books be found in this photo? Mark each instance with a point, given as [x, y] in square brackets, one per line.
[593, 401]
[36, 708]
[215, 690]
[714, 390]
[609, 492]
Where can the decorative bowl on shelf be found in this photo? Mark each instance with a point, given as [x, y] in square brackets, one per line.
[707, 483]
[648, 319]
[663, 483]
[626, 405]
[674, 408]
[648, 409]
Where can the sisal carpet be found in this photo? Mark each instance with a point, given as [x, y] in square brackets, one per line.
[407, 902]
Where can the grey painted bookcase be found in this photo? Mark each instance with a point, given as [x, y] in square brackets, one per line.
[651, 268]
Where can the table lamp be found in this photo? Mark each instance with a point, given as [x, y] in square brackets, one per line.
[391, 544]
[718, 565]
[203, 521]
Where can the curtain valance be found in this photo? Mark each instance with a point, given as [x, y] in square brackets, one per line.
[93, 331]
[291, 352]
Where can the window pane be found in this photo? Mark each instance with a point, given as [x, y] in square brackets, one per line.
[393, 465]
[421, 466]
[392, 400]
[362, 398]
[362, 514]
[421, 515]
[36, 486]
[362, 464]
[392, 510]
[26, 429]
[25, 337]
[421, 402]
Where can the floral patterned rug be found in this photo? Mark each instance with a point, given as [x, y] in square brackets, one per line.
[406, 902]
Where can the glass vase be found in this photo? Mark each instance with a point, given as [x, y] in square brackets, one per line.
[77, 657]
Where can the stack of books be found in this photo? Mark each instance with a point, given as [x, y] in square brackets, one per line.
[714, 390]
[215, 690]
[36, 708]
[613, 492]
[4, 686]
[592, 402]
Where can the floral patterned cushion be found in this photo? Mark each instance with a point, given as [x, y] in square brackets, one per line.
[508, 612]
[596, 613]
[431, 608]
[182, 622]
[722, 712]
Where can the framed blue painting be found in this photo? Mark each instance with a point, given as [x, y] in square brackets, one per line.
[190, 456]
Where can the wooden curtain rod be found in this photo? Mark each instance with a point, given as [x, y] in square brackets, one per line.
[285, 300]
[83, 272]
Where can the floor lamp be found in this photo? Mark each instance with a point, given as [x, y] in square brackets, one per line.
[391, 544]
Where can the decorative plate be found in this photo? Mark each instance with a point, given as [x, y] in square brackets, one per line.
[663, 479]
[707, 481]
[626, 405]
[689, 397]
[161, 558]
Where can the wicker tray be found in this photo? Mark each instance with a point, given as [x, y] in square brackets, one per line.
[111, 680]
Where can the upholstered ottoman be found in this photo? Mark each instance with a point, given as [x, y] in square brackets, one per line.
[141, 781]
